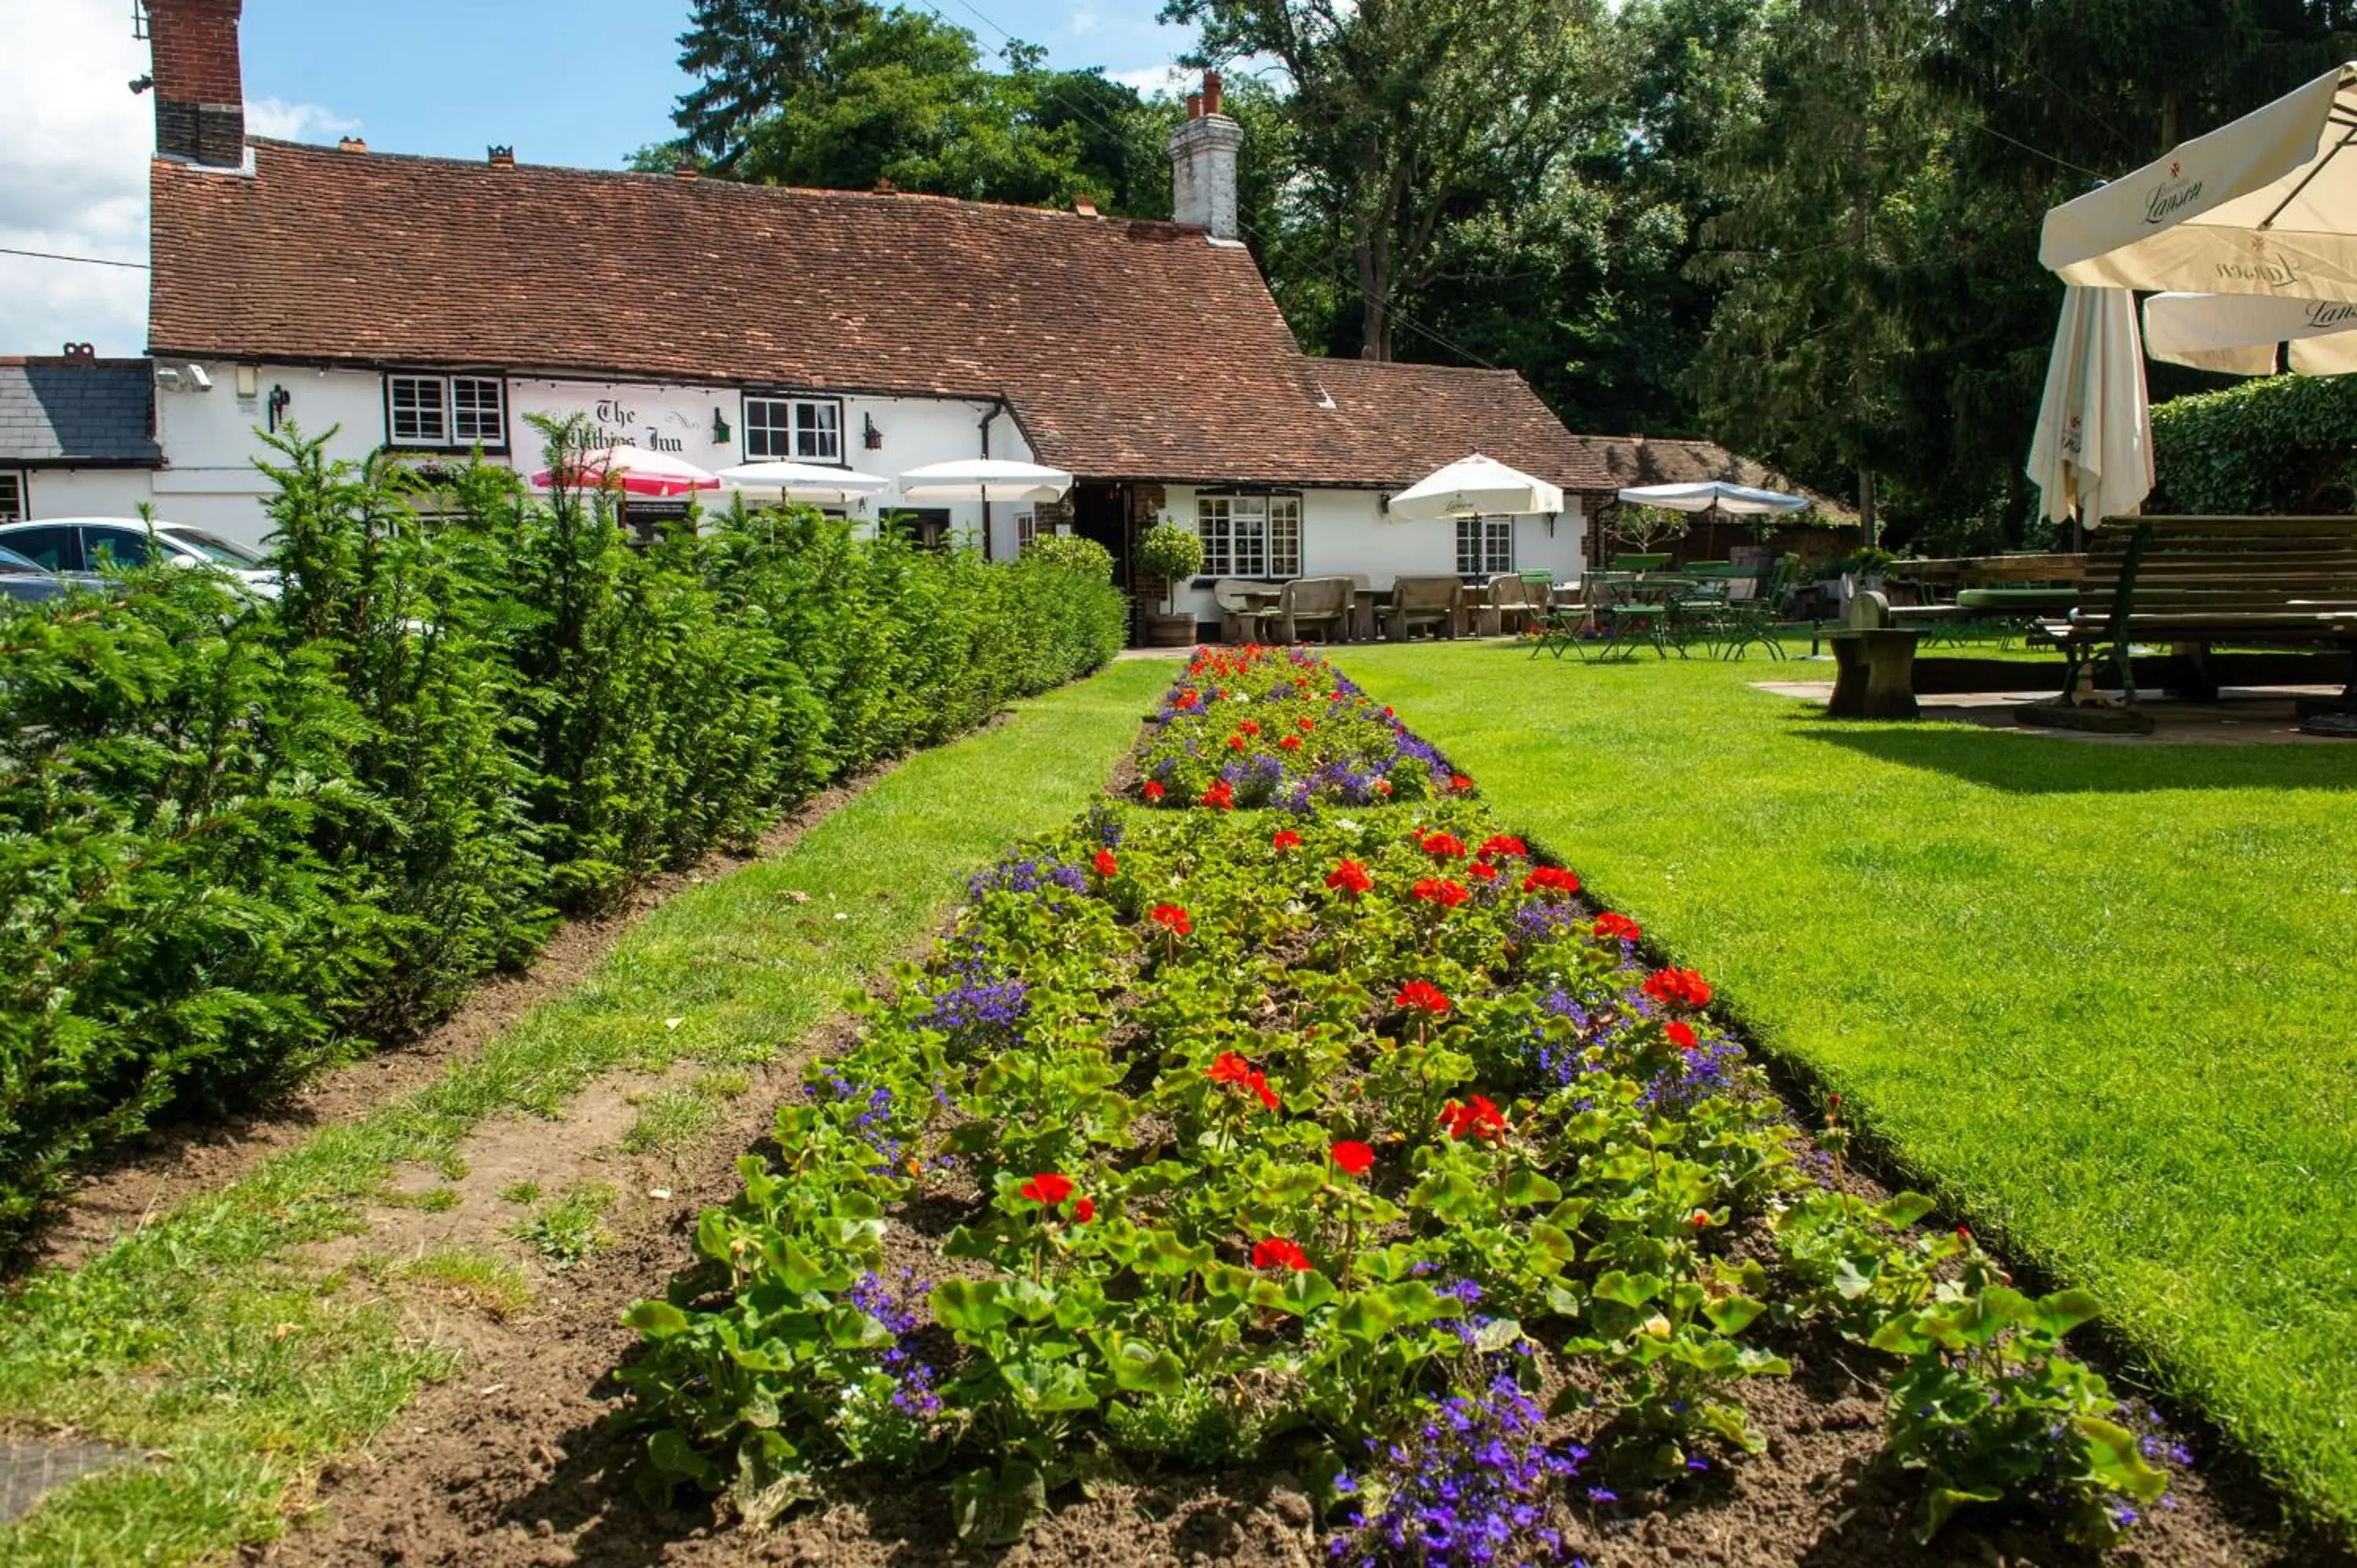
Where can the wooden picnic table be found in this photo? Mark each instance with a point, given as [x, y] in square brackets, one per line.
[1263, 596]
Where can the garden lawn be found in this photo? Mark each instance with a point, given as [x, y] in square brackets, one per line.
[200, 1340]
[2099, 996]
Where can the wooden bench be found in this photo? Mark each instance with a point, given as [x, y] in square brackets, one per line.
[2190, 583]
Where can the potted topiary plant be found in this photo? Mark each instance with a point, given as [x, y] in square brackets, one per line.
[1174, 554]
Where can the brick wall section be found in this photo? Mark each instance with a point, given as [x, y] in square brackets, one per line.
[200, 82]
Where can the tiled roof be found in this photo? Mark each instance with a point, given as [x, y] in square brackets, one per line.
[1128, 348]
[67, 412]
[1633, 460]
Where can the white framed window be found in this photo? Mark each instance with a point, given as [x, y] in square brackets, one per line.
[446, 411]
[1250, 536]
[12, 497]
[1027, 529]
[1485, 546]
[796, 429]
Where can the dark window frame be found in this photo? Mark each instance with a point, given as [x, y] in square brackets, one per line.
[16, 496]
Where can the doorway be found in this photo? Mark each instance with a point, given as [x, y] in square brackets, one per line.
[1101, 513]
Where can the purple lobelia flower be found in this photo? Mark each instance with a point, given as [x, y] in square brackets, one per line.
[896, 1308]
[1469, 1485]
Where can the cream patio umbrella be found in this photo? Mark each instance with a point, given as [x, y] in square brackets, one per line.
[2266, 204]
[806, 481]
[1714, 495]
[2092, 456]
[984, 480]
[1474, 486]
[2238, 334]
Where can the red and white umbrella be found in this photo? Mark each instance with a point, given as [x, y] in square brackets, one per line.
[633, 470]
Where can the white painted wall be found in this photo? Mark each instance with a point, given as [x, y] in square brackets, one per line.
[210, 440]
[1346, 533]
[88, 492]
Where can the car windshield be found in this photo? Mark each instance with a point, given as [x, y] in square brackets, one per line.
[214, 548]
[16, 564]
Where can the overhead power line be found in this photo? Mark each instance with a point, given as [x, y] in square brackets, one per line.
[60, 256]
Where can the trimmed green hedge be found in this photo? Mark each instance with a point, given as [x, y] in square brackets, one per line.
[241, 839]
[2280, 445]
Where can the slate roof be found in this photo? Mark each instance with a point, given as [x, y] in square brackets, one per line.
[61, 413]
[1127, 350]
[1630, 461]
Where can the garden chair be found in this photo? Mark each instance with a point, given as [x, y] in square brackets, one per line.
[1640, 563]
[1627, 613]
[1502, 609]
[1231, 593]
[1315, 603]
[1435, 602]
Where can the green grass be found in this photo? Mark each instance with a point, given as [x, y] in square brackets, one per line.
[202, 1336]
[669, 1121]
[484, 1281]
[568, 1229]
[2099, 996]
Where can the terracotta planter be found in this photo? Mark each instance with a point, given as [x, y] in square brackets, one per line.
[1170, 631]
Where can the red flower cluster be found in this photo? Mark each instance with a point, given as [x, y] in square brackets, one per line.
[1306, 722]
[1441, 891]
[1085, 1210]
[1107, 866]
[1476, 1118]
[1482, 871]
[1682, 1035]
[1441, 845]
[1186, 699]
[1231, 1068]
[1153, 791]
[1249, 726]
[1048, 1188]
[1458, 782]
[1678, 988]
[1220, 796]
[1286, 839]
[1352, 1155]
[1290, 742]
[1550, 879]
[1504, 844]
[1237, 743]
[1610, 927]
[1422, 996]
[1350, 879]
[1174, 920]
[1279, 1253]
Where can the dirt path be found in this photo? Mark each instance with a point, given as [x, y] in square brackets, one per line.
[167, 1165]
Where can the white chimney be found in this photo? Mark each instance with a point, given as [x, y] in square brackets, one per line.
[1203, 163]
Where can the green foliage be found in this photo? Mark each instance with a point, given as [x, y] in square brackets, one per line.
[2282, 444]
[570, 1228]
[240, 838]
[1170, 552]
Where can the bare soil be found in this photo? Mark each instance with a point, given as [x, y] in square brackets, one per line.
[165, 1165]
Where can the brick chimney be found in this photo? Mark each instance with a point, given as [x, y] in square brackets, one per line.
[1203, 163]
[200, 84]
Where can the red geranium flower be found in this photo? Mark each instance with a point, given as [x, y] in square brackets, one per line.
[1220, 796]
[1085, 1210]
[1250, 726]
[1290, 742]
[1237, 743]
[1610, 926]
[1482, 871]
[1350, 879]
[1700, 1217]
[1172, 918]
[1682, 1035]
[1441, 891]
[1383, 786]
[1422, 996]
[1278, 1253]
[1107, 866]
[1550, 879]
[1153, 790]
[1678, 988]
[1286, 839]
[1187, 700]
[1458, 782]
[1504, 844]
[1476, 1118]
[1352, 1155]
[1048, 1188]
[1306, 722]
[1443, 846]
[1228, 1068]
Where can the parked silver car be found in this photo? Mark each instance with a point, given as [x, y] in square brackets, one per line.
[23, 581]
[82, 547]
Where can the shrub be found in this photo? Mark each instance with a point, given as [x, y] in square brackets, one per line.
[240, 837]
[2277, 445]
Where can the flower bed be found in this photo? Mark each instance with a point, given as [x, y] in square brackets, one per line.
[1344, 1133]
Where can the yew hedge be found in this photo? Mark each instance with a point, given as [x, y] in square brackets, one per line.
[238, 837]
[1341, 1132]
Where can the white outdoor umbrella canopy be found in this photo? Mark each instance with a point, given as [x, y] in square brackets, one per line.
[2238, 333]
[2092, 456]
[2265, 205]
[806, 481]
[1475, 487]
[984, 480]
[1714, 495]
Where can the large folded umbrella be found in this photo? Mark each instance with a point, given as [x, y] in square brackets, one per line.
[1475, 487]
[2091, 457]
[2239, 333]
[2266, 204]
[806, 481]
[984, 480]
[633, 469]
[1714, 495]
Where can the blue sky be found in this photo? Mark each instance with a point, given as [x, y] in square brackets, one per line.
[581, 84]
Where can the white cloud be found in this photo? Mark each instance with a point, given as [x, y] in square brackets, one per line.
[1154, 78]
[1082, 21]
[73, 173]
[295, 121]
